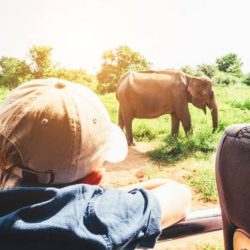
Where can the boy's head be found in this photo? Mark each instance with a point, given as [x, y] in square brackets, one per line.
[60, 132]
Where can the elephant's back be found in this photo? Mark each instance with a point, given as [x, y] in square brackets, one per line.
[153, 83]
[149, 94]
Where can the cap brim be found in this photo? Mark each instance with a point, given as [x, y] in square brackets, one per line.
[118, 148]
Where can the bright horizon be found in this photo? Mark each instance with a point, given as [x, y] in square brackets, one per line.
[168, 33]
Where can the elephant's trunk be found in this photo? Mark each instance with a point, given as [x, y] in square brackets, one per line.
[214, 113]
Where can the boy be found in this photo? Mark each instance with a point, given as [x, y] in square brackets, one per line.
[54, 137]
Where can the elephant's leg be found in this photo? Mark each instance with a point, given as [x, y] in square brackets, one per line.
[128, 127]
[120, 119]
[186, 121]
[175, 124]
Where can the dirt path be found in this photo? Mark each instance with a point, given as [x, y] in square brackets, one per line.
[133, 170]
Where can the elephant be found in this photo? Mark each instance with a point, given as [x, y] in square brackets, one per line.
[150, 94]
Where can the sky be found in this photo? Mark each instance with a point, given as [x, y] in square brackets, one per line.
[168, 33]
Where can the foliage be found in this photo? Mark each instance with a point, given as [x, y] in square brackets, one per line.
[115, 63]
[245, 104]
[177, 148]
[246, 79]
[203, 182]
[13, 72]
[143, 132]
[230, 63]
[41, 64]
[225, 78]
[191, 71]
[211, 246]
[75, 75]
[207, 69]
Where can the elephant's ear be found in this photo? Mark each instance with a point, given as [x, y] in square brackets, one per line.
[195, 85]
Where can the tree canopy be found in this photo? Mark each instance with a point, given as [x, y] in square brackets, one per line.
[13, 71]
[117, 61]
[230, 63]
[41, 63]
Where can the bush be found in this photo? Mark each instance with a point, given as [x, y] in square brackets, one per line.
[244, 105]
[75, 75]
[225, 78]
[207, 69]
[104, 88]
[174, 148]
[191, 71]
[143, 132]
[246, 79]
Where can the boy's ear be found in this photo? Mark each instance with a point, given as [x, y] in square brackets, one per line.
[95, 177]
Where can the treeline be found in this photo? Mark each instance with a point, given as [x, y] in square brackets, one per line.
[226, 70]
[13, 71]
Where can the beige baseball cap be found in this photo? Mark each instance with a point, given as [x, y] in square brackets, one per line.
[61, 131]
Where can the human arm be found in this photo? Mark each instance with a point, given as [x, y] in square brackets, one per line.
[174, 199]
[175, 202]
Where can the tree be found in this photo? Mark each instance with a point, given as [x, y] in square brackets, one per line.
[41, 64]
[230, 63]
[246, 79]
[76, 75]
[207, 69]
[191, 71]
[115, 63]
[13, 72]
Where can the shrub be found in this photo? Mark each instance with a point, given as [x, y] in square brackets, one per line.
[144, 132]
[191, 71]
[207, 69]
[242, 105]
[225, 78]
[104, 88]
[246, 79]
[174, 148]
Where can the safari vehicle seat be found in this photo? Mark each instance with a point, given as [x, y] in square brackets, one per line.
[233, 184]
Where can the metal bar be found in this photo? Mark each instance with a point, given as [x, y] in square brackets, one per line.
[197, 222]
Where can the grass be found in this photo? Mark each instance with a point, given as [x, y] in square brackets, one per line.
[245, 105]
[203, 182]
[199, 144]
[208, 246]
[3, 93]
